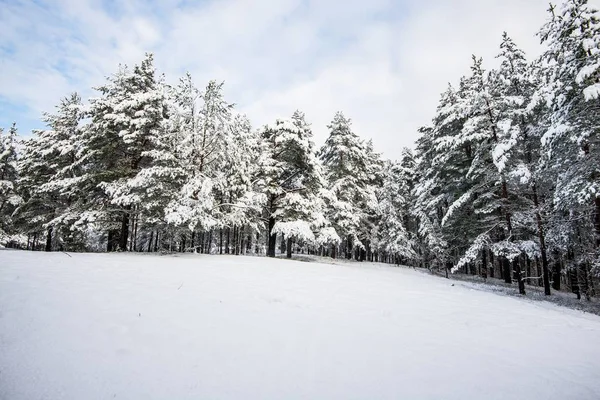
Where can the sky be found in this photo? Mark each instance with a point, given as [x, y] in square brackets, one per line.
[383, 63]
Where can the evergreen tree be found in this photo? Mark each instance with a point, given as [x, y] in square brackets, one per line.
[292, 182]
[571, 144]
[9, 195]
[345, 162]
[47, 168]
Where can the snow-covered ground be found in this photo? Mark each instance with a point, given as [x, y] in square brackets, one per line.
[127, 326]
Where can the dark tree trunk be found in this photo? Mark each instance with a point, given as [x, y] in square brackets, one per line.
[183, 243]
[289, 248]
[518, 275]
[597, 221]
[257, 248]
[556, 273]
[575, 282]
[506, 270]
[112, 240]
[124, 231]
[150, 241]
[193, 241]
[49, 240]
[349, 248]
[227, 240]
[282, 245]
[272, 238]
[484, 264]
[542, 238]
[333, 251]
[156, 241]
[221, 241]
[135, 232]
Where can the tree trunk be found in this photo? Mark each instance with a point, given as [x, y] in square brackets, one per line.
[135, 232]
[272, 238]
[289, 248]
[124, 231]
[112, 240]
[282, 245]
[227, 240]
[556, 273]
[518, 275]
[49, 240]
[506, 270]
[542, 238]
[221, 241]
[150, 241]
[597, 221]
[484, 264]
[349, 248]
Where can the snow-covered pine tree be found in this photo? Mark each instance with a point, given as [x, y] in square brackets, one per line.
[291, 179]
[47, 169]
[441, 168]
[346, 168]
[205, 123]
[516, 155]
[393, 237]
[240, 203]
[9, 192]
[126, 124]
[571, 145]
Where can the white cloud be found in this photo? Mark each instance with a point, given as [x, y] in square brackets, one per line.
[382, 62]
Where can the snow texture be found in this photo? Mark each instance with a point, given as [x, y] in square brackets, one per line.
[102, 326]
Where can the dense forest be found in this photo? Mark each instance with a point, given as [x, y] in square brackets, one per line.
[503, 183]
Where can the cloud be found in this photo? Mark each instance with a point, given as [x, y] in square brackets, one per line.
[382, 62]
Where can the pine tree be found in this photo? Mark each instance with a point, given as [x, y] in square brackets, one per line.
[393, 236]
[47, 164]
[345, 162]
[205, 120]
[292, 182]
[571, 144]
[9, 194]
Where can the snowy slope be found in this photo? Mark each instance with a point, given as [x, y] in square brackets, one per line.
[102, 326]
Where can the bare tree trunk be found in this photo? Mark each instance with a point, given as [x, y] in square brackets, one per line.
[556, 275]
[124, 230]
[597, 220]
[289, 247]
[135, 233]
[517, 269]
[49, 240]
[282, 245]
[272, 237]
[542, 238]
[150, 242]
[220, 240]
[484, 264]
[227, 240]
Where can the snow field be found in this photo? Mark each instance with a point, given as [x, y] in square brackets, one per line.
[101, 326]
